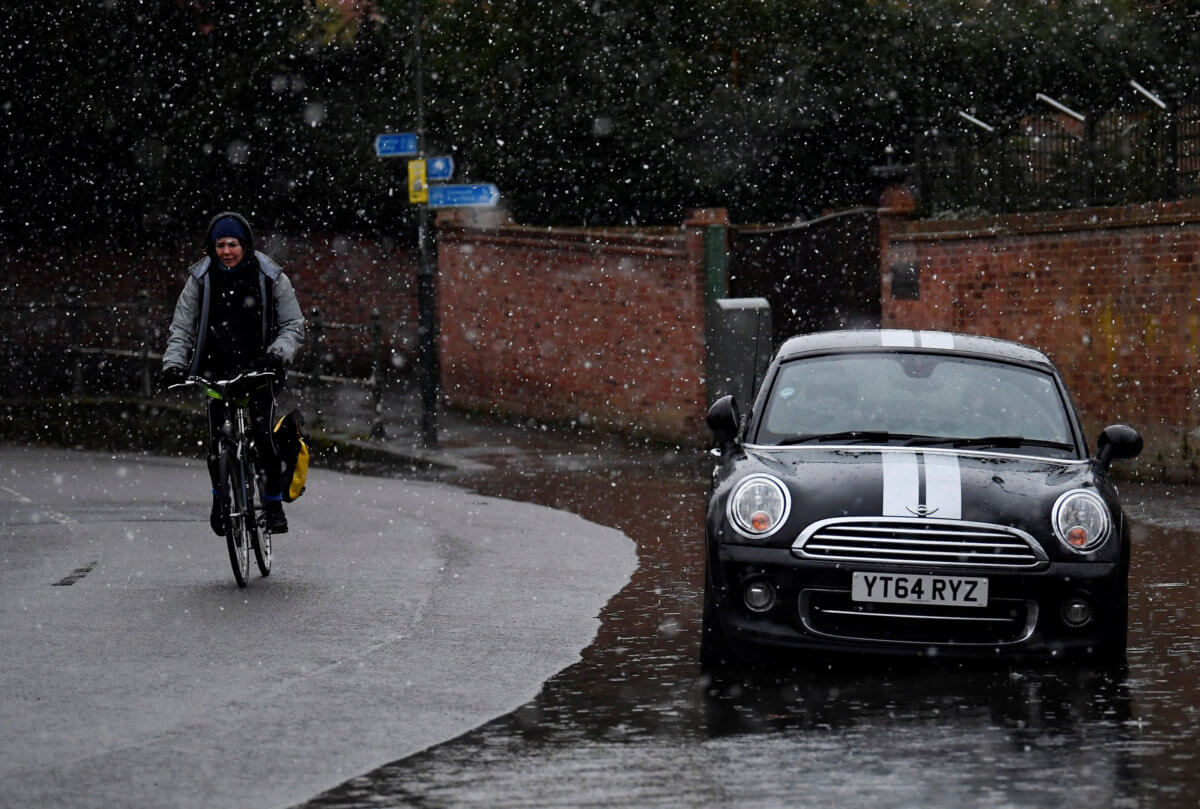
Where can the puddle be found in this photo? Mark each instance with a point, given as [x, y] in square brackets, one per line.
[635, 723]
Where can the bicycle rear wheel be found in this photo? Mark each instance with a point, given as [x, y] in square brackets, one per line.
[237, 532]
[261, 537]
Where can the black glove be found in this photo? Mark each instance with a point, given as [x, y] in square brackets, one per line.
[173, 375]
[270, 362]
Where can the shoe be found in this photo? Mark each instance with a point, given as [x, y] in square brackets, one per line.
[219, 517]
[276, 522]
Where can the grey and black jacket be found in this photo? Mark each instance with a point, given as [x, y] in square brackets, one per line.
[283, 322]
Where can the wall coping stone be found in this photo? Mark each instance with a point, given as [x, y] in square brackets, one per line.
[665, 242]
[1158, 214]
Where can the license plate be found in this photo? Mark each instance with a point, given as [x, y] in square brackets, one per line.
[895, 588]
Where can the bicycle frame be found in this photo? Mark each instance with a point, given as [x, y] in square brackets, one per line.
[238, 478]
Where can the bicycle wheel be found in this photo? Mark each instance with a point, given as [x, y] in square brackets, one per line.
[237, 532]
[260, 536]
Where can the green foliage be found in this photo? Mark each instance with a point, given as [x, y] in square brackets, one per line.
[131, 115]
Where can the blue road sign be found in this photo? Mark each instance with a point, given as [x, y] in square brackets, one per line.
[439, 168]
[396, 144]
[483, 195]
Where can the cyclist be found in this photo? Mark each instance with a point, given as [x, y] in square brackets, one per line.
[238, 312]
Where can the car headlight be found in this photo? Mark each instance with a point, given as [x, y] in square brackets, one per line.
[758, 506]
[1081, 521]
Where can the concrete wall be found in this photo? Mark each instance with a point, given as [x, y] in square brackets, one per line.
[601, 327]
[1112, 295]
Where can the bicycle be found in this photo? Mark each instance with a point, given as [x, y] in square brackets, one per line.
[242, 481]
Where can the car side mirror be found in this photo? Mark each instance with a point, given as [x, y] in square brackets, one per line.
[724, 420]
[1117, 442]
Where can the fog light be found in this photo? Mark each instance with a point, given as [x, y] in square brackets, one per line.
[759, 596]
[1076, 612]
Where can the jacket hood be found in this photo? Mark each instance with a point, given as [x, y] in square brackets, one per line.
[211, 251]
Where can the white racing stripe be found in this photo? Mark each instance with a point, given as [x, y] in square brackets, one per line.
[901, 483]
[943, 486]
[898, 337]
[903, 338]
[936, 339]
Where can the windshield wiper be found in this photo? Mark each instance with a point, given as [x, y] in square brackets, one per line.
[857, 436]
[1002, 441]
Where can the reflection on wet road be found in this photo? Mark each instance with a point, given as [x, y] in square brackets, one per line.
[636, 724]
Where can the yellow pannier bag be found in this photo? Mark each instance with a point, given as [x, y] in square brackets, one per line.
[292, 445]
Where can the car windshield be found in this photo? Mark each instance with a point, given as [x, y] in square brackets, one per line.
[917, 399]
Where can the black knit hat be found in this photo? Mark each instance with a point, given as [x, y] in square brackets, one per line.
[228, 227]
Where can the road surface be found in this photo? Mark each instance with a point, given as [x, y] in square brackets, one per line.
[399, 615]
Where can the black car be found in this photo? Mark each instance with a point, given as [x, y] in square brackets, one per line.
[913, 492]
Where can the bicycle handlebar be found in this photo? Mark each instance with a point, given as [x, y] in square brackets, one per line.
[222, 384]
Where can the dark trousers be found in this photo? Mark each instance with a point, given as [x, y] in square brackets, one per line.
[262, 416]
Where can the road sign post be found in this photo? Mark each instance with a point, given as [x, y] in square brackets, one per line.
[421, 172]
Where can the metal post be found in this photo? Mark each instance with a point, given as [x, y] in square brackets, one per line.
[143, 319]
[428, 359]
[427, 326]
[923, 161]
[377, 375]
[1172, 158]
[73, 313]
[716, 286]
[1091, 155]
[316, 365]
[716, 260]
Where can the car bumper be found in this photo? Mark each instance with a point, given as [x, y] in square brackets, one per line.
[813, 609]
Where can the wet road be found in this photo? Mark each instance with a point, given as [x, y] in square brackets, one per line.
[399, 614]
[635, 723]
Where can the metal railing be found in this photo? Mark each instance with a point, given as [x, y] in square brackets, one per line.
[1046, 160]
[318, 355]
[65, 344]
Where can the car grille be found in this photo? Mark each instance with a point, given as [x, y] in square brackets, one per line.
[832, 613]
[929, 543]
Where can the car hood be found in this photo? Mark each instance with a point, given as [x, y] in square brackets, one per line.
[914, 482]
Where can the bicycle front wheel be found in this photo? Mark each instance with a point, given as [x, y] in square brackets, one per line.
[237, 532]
[261, 536]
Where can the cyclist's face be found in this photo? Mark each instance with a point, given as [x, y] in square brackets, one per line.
[229, 250]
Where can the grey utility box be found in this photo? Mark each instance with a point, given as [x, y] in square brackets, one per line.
[739, 348]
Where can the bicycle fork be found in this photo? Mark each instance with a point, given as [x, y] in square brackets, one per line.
[235, 451]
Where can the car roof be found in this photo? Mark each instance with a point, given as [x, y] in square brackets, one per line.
[911, 340]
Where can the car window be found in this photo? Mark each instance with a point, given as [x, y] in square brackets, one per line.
[911, 393]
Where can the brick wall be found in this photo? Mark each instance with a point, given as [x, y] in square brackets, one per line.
[600, 327]
[1112, 295]
[345, 276]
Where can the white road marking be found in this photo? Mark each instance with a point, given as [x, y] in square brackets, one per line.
[62, 519]
[20, 497]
